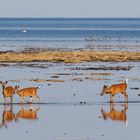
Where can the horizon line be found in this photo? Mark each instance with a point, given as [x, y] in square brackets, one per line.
[75, 17]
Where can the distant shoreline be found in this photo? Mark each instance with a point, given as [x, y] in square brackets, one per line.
[70, 56]
[70, 18]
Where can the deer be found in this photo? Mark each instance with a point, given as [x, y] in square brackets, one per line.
[27, 114]
[116, 115]
[7, 91]
[27, 92]
[116, 89]
[7, 116]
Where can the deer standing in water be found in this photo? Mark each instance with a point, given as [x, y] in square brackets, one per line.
[116, 89]
[28, 114]
[7, 116]
[27, 92]
[7, 91]
[116, 115]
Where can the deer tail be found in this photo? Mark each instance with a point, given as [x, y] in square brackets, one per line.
[38, 87]
[126, 81]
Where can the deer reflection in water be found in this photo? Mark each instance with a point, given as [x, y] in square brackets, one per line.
[10, 116]
[116, 114]
[7, 116]
[30, 113]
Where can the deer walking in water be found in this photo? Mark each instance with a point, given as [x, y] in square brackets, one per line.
[27, 92]
[7, 91]
[116, 89]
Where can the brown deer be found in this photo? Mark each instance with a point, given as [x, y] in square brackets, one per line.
[27, 114]
[116, 115]
[116, 89]
[7, 91]
[7, 116]
[27, 92]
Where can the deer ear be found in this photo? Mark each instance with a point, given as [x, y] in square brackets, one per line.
[16, 86]
[105, 86]
[6, 82]
[0, 82]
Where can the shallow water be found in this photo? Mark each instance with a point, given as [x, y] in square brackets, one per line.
[19, 34]
[70, 122]
[71, 106]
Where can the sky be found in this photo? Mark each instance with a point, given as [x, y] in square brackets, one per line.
[70, 8]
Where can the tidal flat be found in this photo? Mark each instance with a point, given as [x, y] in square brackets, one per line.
[70, 60]
[71, 105]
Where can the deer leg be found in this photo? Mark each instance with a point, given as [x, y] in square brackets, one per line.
[4, 107]
[126, 96]
[11, 99]
[11, 108]
[22, 100]
[4, 100]
[37, 98]
[125, 106]
[111, 98]
[111, 106]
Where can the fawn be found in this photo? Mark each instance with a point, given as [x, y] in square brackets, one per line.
[115, 89]
[7, 91]
[27, 92]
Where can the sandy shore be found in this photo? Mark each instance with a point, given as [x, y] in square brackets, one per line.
[70, 56]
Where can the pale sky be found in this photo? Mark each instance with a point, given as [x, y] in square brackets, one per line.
[70, 8]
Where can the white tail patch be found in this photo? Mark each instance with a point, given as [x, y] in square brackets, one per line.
[126, 81]
[31, 99]
[40, 86]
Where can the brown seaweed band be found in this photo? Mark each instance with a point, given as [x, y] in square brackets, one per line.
[70, 56]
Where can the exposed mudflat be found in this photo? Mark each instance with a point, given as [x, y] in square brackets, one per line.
[71, 106]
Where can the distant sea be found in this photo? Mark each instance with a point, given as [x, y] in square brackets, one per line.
[70, 33]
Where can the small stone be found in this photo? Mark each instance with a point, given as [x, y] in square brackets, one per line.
[81, 102]
[26, 131]
[49, 84]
